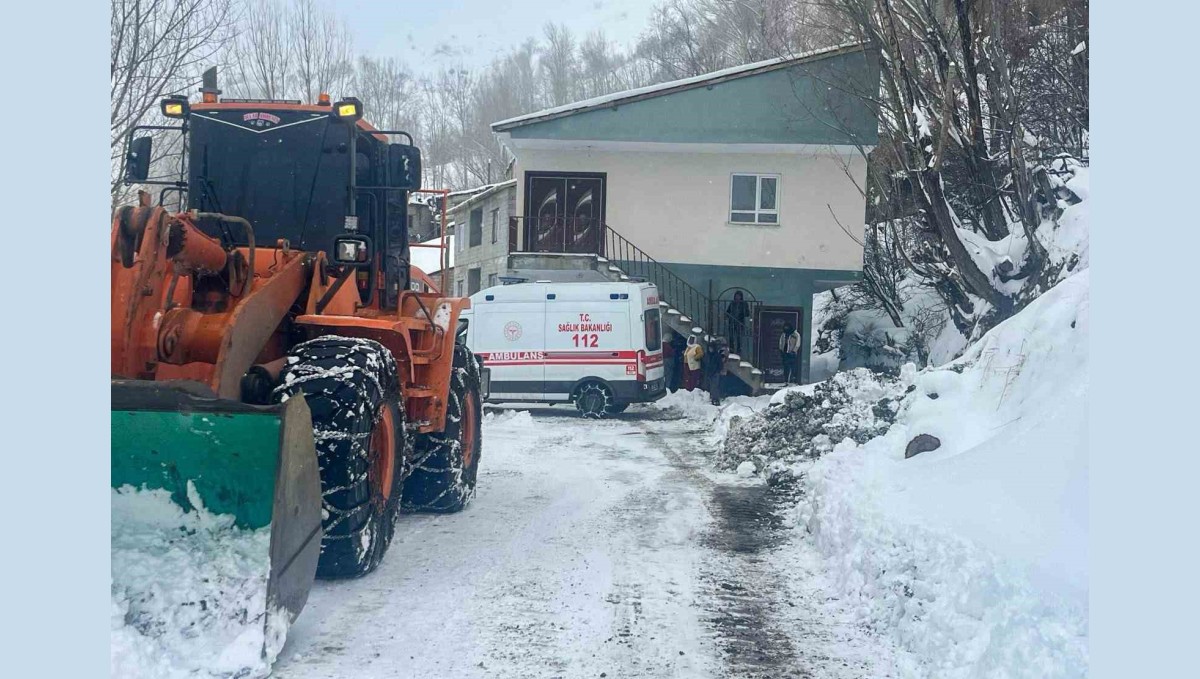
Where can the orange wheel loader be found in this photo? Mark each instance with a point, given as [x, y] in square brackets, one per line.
[269, 360]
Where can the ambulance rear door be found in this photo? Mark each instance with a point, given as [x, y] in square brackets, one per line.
[510, 334]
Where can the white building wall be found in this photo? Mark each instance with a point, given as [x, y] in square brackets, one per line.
[491, 258]
[675, 204]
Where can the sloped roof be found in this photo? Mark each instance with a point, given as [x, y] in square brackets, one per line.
[482, 192]
[705, 80]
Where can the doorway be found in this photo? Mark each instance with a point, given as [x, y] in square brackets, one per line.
[564, 211]
[770, 322]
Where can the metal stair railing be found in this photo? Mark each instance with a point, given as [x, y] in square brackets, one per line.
[635, 263]
[586, 237]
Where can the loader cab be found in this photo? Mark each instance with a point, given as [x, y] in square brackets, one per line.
[309, 174]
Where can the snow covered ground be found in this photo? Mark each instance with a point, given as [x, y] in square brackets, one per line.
[618, 548]
[189, 593]
[594, 549]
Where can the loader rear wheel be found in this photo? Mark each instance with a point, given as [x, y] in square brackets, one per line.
[446, 463]
[358, 422]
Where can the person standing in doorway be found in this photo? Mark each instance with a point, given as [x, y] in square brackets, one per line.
[692, 358]
[789, 352]
[735, 316]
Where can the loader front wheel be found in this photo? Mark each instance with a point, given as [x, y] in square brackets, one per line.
[353, 392]
[446, 463]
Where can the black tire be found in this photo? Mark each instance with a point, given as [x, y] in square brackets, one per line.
[354, 394]
[616, 408]
[593, 400]
[446, 463]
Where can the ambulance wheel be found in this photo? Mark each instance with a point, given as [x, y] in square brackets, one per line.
[593, 400]
[616, 408]
[352, 389]
[447, 462]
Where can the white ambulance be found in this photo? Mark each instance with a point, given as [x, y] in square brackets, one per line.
[597, 345]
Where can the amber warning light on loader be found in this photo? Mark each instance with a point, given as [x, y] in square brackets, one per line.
[348, 110]
[174, 107]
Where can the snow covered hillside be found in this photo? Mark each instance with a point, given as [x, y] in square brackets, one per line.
[975, 554]
[853, 331]
[971, 552]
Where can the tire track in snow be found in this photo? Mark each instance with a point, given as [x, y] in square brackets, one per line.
[768, 603]
[738, 585]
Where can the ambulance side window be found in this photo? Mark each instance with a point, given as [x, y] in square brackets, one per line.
[653, 329]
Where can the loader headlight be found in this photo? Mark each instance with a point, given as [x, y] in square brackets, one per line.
[174, 107]
[348, 110]
[352, 250]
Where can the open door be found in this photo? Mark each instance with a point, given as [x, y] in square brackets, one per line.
[770, 322]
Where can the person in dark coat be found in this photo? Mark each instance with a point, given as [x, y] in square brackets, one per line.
[714, 367]
[735, 317]
[669, 363]
[679, 344]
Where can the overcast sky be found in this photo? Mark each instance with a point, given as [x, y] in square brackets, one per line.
[435, 33]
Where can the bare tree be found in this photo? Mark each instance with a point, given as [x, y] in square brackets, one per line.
[952, 130]
[560, 70]
[158, 47]
[389, 93]
[320, 49]
[262, 55]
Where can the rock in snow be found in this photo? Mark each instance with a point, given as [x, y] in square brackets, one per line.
[745, 469]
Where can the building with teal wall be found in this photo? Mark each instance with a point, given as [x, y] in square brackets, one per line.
[750, 178]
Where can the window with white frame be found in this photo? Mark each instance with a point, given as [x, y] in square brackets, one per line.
[754, 199]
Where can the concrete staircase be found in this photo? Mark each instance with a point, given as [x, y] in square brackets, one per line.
[571, 267]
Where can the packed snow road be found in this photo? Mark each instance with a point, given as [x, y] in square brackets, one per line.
[593, 549]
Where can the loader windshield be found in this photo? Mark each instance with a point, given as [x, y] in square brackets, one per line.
[285, 171]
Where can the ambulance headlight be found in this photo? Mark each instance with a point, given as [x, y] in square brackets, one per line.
[352, 250]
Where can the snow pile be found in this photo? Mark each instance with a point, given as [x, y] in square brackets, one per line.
[802, 423]
[507, 419]
[975, 554]
[697, 405]
[189, 592]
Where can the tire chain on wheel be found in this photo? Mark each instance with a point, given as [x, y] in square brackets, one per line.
[347, 383]
[439, 481]
[605, 394]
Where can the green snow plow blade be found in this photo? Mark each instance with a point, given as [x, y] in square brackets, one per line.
[257, 464]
